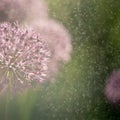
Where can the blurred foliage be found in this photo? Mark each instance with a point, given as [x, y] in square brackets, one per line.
[78, 91]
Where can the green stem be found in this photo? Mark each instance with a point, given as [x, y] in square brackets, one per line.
[7, 106]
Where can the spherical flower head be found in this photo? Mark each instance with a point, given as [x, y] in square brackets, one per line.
[23, 57]
[36, 14]
[112, 88]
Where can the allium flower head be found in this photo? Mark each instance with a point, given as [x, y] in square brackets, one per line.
[23, 56]
[112, 88]
[36, 14]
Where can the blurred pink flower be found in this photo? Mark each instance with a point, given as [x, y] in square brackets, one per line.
[23, 56]
[58, 40]
[22, 10]
[112, 88]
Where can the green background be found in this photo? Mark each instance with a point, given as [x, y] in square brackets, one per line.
[78, 93]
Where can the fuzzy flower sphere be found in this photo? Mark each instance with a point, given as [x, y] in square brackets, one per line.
[112, 88]
[23, 57]
[58, 40]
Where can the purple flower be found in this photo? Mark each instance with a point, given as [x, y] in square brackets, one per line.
[112, 88]
[23, 57]
[52, 32]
